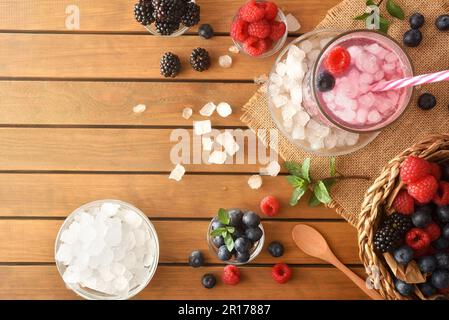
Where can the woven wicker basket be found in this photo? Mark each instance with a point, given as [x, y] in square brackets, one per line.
[378, 200]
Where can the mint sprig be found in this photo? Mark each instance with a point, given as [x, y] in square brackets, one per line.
[394, 10]
[226, 231]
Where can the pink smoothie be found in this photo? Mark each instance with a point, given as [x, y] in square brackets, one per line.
[351, 103]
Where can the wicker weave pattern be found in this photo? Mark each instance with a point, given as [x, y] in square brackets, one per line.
[378, 200]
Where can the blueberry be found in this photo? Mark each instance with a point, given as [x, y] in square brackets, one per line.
[242, 257]
[443, 213]
[442, 22]
[427, 264]
[242, 245]
[404, 288]
[427, 101]
[440, 279]
[325, 81]
[216, 224]
[276, 249]
[209, 281]
[196, 259]
[238, 233]
[427, 288]
[421, 218]
[224, 254]
[235, 217]
[403, 255]
[440, 244]
[412, 38]
[445, 231]
[442, 260]
[206, 31]
[254, 234]
[250, 219]
[218, 241]
[416, 20]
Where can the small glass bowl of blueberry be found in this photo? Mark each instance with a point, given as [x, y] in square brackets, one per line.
[236, 236]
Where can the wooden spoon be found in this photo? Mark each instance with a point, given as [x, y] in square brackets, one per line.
[313, 243]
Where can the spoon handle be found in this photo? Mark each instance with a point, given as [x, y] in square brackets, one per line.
[372, 293]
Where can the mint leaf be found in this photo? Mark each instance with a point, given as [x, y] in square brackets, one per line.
[395, 10]
[313, 201]
[362, 17]
[321, 193]
[295, 181]
[297, 195]
[229, 242]
[223, 216]
[293, 168]
[217, 232]
[305, 169]
[230, 229]
[333, 167]
[384, 25]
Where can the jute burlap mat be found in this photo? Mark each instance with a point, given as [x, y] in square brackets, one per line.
[432, 55]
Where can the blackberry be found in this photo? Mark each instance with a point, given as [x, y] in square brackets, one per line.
[191, 16]
[166, 28]
[200, 59]
[170, 65]
[169, 10]
[391, 232]
[143, 12]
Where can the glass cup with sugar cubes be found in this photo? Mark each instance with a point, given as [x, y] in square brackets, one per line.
[107, 250]
[328, 108]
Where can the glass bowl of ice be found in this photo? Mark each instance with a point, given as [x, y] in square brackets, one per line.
[294, 107]
[107, 250]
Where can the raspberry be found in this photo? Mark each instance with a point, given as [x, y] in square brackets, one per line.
[424, 190]
[255, 46]
[414, 169]
[260, 29]
[338, 60]
[239, 30]
[417, 239]
[433, 230]
[269, 206]
[441, 198]
[251, 12]
[270, 8]
[231, 275]
[281, 273]
[404, 203]
[435, 170]
[278, 30]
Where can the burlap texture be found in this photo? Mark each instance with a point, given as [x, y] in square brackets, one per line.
[432, 55]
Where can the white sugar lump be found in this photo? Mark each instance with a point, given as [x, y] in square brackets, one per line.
[202, 127]
[116, 259]
[217, 157]
[227, 140]
[187, 113]
[306, 46]
[225, 61]
[272, 169]
[255, 181]
[281, 69]
[234, 49]
[292, 23]
[224, 109]
[208, 109]
[139, 108]
[298, 133]
[207, 143]
[177, 173]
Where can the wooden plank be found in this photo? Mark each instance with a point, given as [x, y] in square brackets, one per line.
[44, 282]
[111, 103]
[33, 241]
[91, 56]
[48, 195]
[108, 150]
[117, 16]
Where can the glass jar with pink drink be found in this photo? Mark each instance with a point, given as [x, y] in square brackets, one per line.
[322, 89]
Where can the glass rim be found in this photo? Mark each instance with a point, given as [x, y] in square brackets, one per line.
[151, 269]
[339, 125]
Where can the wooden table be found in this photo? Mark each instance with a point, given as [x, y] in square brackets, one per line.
[69, 136]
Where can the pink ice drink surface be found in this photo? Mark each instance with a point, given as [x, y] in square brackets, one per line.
[351, 102]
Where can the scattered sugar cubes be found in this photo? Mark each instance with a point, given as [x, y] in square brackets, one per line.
[272, 169]
[225, 61]
[255, 182]
[202, 127]
[292, 23]
[208, 109]
[106, 247]
[139, 108]
[224, 109]
[187, 113]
